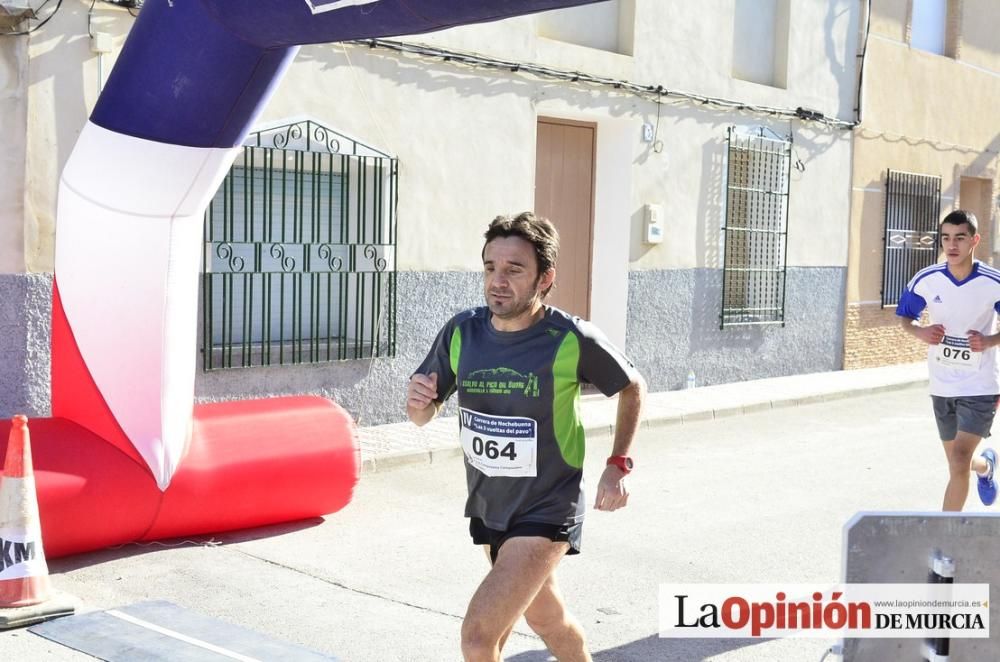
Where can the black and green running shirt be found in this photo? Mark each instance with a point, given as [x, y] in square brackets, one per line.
[519, 414]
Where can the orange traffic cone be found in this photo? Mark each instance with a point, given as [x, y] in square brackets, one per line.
[24, 575]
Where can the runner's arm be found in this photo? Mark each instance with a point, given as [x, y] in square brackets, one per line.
[421, 398]
[932, 335]
[980, 342]
[612, 493]
[630, 401]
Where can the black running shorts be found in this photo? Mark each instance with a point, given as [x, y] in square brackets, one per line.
[483, 535]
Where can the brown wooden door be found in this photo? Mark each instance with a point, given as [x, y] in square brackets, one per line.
[564, 193]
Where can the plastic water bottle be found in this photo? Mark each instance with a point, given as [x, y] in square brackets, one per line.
[691, 380]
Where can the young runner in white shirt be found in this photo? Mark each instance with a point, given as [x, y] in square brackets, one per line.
[962, 298]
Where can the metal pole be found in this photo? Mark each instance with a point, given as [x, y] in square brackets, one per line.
[942, 572]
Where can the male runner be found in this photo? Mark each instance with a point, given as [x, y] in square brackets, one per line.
[962, 296]
[517, 366]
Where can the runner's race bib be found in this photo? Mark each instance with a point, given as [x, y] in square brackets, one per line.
[500, 445]
[955, 353]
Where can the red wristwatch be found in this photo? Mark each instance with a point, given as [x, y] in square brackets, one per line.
[623, 462]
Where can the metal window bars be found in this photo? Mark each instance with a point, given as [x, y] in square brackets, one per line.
[755, 230]
[912, 207]
[299, 261]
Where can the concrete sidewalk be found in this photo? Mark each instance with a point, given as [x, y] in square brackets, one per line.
[384, 447]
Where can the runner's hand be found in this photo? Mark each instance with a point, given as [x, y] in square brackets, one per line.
[422, 390]
[612, 493]
[977, 341]
[932, 335]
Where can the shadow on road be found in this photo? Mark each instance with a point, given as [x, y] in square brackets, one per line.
[654, 649]
[89, 559]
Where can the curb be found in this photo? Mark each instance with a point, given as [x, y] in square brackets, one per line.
[380, 462]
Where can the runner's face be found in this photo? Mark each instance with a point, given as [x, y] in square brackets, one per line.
[957, 243]
[511, 281]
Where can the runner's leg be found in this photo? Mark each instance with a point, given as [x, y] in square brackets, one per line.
[503, 639]
[548, 617]
[959, 452]
[523, 564]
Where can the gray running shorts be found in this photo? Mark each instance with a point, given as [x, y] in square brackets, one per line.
[972, 413]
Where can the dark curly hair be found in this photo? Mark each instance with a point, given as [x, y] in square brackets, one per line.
[536, 230]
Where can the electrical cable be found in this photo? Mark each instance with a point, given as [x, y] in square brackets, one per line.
[864, 52]
[39, 26]
[652, 93]
[657, 143]
[364, 97]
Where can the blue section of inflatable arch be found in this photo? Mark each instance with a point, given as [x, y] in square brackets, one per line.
[197, 72]
[272, 23]
[185, 79]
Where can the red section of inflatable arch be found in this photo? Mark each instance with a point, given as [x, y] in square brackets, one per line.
[75, 396]
[257, 462]
[90, 494]
[251, 463]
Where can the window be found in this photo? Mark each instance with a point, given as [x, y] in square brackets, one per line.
[299, 252]
[912, 208]
[760, 41]
[753, 285]
[934, 26]
[607, 26]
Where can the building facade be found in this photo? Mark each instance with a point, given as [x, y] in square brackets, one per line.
[928, 143]
[697, 158]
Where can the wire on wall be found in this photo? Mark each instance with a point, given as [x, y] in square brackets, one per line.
[35, 18]
[657, 143]
[654, 93]
[863, 56]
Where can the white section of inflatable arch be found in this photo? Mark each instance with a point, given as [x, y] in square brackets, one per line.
[128, 249]
[319, 8]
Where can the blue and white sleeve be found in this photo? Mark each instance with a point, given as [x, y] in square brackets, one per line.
[910, 304]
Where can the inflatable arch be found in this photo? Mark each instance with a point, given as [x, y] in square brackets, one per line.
[126, 456]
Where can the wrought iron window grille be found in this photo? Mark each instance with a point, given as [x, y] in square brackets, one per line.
[912, 208]
[756, 228]
[299, 260]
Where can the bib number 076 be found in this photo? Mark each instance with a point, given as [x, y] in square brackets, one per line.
[491, 449]
[956, 353]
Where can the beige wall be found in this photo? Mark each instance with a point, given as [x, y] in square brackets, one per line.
[872, 338]
[927, 114]
[688, 46]
[63, 88]
[13, 119]
[979, 37]
[465, 138]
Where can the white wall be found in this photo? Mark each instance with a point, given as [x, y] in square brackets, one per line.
[465, 138]
[13, 119]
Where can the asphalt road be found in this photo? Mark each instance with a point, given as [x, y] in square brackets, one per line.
[756, 498]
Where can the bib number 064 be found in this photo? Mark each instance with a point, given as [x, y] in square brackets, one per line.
[491, 449]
